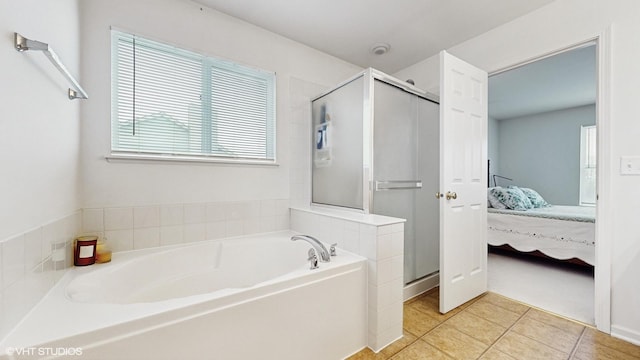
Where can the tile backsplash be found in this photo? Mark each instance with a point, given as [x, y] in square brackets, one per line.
[31, 263]
[130, 228]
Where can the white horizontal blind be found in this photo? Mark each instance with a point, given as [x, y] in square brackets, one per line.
[174, 103]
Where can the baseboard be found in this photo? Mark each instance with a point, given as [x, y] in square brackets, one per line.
[626, 334]
[419, 286]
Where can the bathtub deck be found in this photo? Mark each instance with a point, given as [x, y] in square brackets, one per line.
[56, 318]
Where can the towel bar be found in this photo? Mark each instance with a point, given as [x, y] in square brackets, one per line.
[23, 44]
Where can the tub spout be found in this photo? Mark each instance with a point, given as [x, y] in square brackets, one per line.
[320, 249]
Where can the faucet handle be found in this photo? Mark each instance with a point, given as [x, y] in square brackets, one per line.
[313, 259]
[332, 249]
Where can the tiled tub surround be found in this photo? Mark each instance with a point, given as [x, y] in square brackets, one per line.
[380, 239]
[31, 263]
[231, 292]
[141, 227]
[29, 271]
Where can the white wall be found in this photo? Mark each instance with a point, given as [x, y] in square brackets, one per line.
[557, 25]
[39, 145]
[39, 128]
[542, 152]
[204, 30]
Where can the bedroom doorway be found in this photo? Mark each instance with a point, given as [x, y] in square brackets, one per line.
[542, 151]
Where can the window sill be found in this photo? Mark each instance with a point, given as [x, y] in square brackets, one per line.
[149, 158]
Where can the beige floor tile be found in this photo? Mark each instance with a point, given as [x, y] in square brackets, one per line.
[493, 354]
[367, 354]
[546, 334]
[477, 327]
[420, 350]
[493, 313]
[407, 339]
[555, 321]
[594, 336]
[596, 351]
[522, 347]
[417, 322]
[455, 343]
[430, 306]
[504, 302]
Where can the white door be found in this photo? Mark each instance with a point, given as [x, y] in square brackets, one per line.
[463, 187]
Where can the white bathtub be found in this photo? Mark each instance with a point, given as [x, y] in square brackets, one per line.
[240, 298]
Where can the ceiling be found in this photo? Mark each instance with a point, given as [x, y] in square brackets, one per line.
[558, 82]
[415, 29]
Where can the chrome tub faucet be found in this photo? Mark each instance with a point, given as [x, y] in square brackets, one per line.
[321, 250]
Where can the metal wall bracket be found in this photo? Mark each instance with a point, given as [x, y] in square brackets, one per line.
[23, 44]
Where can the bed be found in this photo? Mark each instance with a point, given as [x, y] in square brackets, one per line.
[564, 233]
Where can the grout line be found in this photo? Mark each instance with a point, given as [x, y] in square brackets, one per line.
[404, 347]
[470, 302]
[577, 344]
[547, 312]
[505, 333]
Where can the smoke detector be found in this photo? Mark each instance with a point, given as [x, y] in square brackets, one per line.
[380, 48]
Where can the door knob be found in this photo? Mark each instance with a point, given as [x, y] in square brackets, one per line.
[451, 195]
[439, 195]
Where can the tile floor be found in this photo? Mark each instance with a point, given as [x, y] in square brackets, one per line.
[495, 327]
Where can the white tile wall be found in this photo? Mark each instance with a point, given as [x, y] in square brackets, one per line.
[128, 228]
[92, 220]
[33, 248]
[383, 246]
[194, 213]
[146, 238]
[171, 215]
[146, 216]
[215, 230]
[171, 235]
[13, 260]
[118, 218]
[26, 270]
[119, 240]
[194, 232]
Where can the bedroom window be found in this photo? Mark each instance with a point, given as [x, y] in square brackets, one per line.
[170, 103]
[588, 165]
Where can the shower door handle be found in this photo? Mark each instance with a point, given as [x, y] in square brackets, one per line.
[397, 185]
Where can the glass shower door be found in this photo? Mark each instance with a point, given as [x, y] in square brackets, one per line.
[405, 146]
[337, 174]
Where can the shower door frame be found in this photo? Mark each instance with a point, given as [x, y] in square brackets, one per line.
[369, 75]
[369, 117]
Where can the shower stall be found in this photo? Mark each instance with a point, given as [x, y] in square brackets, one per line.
[376, 150]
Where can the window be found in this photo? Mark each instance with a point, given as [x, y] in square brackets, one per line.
[173, 103]
[588, 165]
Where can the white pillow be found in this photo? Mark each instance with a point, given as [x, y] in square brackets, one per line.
[493, 201]
[536, 200]
[512, 197]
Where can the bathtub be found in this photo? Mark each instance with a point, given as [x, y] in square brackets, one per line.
[250, 297]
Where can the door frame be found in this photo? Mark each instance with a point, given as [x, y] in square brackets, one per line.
[604, 170]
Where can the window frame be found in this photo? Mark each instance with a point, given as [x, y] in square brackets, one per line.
[118, 155]
[584, 163]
